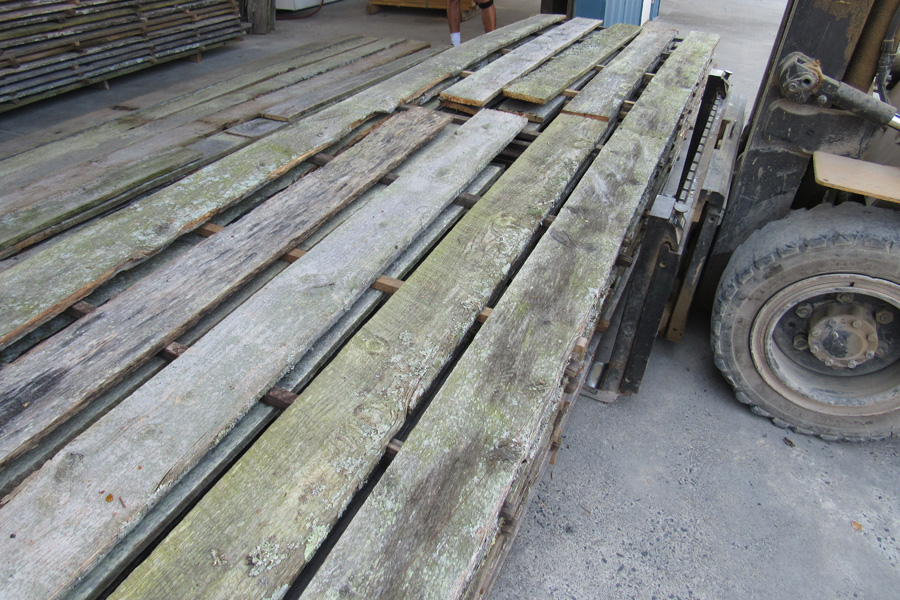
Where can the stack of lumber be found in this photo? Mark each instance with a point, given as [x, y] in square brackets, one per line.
[48, 46]
[347, 384]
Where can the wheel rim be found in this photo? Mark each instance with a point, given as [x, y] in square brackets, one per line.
[801, 377]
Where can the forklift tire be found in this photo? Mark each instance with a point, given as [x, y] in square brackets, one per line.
[806, 322]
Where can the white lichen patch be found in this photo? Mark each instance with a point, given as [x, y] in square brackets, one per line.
[265, 557]
[217, 557]
[316, 536]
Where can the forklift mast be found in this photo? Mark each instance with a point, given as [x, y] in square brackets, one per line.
[774, 172]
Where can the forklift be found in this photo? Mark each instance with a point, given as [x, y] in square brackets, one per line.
[791, 227]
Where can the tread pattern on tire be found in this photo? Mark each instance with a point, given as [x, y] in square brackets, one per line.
[800, 232]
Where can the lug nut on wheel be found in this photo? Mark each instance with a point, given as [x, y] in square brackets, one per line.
[803, 310]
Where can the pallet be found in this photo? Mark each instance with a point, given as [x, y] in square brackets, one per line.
[377, 334]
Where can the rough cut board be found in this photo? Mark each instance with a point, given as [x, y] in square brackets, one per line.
[330, 85]
[171, 422]
[346, 82]
[645, 49]
[542, 113]
[106, 137]
[857, 176]
[39, 209]
[26, 223]
[201, 476]
[536, 113]
[435, 511]
[45, 284]
[485, 84]
[43, 388]
[553, 77]
[110, 154]
[177, 96]
[303, 471]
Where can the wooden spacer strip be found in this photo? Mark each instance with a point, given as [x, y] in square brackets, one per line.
[278, 397]
[623, 260]
[292, 255]
[320, 159]
[466, 200]
[548, 220]
[388, 285]
[172, 351]
[570, 93]
[80, 309]
[393, 448]
[484, 314]
[208, 229]
[581, 345]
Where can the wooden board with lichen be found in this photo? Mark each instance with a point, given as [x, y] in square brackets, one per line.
[168, 424]
[43, 285]
[553, 77]
[485, 84]
[346, 82]
[101, 139]
[177, 97]
[40, 390]
[36, 206]
[435, 511]
[38, 214]
[413, 336]
[331, 85]
[618, 75]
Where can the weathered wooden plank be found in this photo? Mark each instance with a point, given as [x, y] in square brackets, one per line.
[115, 134]
[618, 75]
[536, 113]
[264, 94]
[42, 388]
[42, 206]
[41, 287]
[198, 479]
[554, 76]
[303, 471]
[349, 81]
[22, 226]
[178, 96]
[435, 511]
[482, 86]
[170, 423]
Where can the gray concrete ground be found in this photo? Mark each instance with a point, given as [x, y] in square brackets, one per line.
[677, 492]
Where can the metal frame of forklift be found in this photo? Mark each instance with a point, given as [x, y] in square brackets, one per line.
[719, 187]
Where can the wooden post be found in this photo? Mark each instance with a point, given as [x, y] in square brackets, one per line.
[261, 14]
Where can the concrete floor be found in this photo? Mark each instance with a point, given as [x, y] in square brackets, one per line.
[677, 492]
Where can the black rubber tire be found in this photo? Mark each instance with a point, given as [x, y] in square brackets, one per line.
[850, 238]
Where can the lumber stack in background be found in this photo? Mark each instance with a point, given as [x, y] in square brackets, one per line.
[49, 48]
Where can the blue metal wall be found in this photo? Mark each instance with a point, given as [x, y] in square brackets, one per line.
[614, 11]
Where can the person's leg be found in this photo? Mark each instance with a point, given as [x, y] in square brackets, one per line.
[454, 16]
[488, 16]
